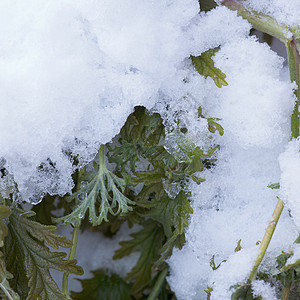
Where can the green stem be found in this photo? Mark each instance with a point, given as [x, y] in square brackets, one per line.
[267, 238]
[293, 60]
[260, 21]
[102, 156]
[158, 284]
[285, 292]
[65, 282]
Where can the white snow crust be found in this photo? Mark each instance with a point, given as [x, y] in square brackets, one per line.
[263, 289]
[290, 180]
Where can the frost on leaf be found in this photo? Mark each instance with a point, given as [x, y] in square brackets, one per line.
[100, 196]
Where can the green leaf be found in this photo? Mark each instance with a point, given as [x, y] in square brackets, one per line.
[285, 276]
[148, 242]
[126, 152]
[206, 5]
[104, 286]
[4, 213]
[205, 66]
[44, 210]
[297, 241]
[208, 291]
[213, 126]
[4, 274]
[29, 259]
[173, 214]
[274, 186]
[198, 180]
[139, 137]
[244, 291]
[238, 246]
[213, 264]
[103, 189]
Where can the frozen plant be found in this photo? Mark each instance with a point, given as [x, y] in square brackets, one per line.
[165, 126]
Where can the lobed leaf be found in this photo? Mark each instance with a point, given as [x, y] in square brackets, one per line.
[148, 241]
[101, 195]
[29, 259]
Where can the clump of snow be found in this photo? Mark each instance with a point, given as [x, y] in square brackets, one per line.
[290, 181]
[215, 28]
[283, 12]
[71, 73]
[235, 203]
[263, 289]
[252, 107]
[235, 270]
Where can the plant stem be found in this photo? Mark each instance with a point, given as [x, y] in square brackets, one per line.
[158, 284]
[285, 292]
[260, 21]
[293, 60]
[7, 294]
[267, 238]
[4, 286]
[65, 282]
[75, 233]
[102, 156]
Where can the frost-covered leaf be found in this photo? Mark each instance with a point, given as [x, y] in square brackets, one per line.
[100, 195]
[148, 242]
[29, 259]
[205, 66]
[104, 286]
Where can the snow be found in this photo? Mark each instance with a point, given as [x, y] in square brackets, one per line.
[235, 203]
[295, 250]
[289, 181]
[72, 71]
[263, 289]
[70, 74]
[236, 270]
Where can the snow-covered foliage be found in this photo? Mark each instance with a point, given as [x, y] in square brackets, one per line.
[72, 71]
